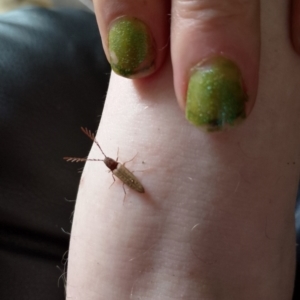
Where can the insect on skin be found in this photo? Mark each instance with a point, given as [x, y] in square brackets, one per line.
[117, 169]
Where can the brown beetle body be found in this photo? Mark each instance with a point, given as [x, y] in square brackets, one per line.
[117, 169]
[128, 178]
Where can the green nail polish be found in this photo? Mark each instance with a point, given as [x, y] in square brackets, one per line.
[216, 95]
[131, 48]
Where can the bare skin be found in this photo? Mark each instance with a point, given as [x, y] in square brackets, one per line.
[217, 218]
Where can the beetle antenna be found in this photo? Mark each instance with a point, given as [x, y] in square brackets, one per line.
[80, 159]
[92, 137]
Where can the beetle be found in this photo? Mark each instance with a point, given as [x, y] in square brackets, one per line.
[119, 170]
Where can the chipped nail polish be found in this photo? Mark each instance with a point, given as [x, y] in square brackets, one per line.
[131, 48]
[216, 96]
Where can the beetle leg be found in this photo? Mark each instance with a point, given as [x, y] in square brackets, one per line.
[125, 194]
[117, 154]
[113, 179]
[130, 160]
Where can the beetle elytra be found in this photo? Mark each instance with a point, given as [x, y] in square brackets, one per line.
[117, 169]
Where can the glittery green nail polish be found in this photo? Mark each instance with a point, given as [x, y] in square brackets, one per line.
[216, 95]
[131, 48]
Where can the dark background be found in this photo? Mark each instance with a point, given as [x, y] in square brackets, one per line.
[53, 79]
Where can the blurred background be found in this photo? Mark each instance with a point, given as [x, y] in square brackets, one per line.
[69, 3]
[72, 3]
[6, 5]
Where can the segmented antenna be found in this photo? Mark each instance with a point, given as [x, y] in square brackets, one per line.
[79, 159]
[92, 137]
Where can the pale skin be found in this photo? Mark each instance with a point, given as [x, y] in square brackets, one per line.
[217, 218]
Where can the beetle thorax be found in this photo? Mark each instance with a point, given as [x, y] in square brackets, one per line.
[110, 163]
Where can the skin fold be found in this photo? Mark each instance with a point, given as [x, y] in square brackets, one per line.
[217, 217]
